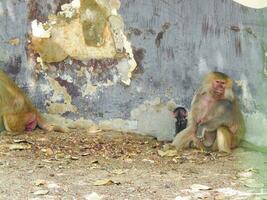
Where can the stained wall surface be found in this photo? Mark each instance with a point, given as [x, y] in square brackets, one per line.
[127, 64]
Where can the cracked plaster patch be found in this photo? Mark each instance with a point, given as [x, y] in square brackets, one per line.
[94, 25]
[152, 118]
[59, 93]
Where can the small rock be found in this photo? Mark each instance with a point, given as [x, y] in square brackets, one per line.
[41, 192]
[60, 155]
[93, 196]
[48, 151]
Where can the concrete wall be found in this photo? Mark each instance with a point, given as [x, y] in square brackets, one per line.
[174, 43]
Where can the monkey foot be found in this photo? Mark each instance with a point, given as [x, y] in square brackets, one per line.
[168, 147]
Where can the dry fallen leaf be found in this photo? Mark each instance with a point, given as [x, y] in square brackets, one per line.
[105, 182]
[74, 158]
[19, 146]
[168, 153]
[39, 182]
[59, 155]
[22, 141]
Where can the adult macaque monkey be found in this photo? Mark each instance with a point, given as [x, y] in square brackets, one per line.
[17, 112]
[215, 120]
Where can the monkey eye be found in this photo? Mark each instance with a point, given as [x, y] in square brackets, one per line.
[220, 82]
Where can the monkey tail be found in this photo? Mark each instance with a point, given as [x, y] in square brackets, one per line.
[43, 124]
[252, 147]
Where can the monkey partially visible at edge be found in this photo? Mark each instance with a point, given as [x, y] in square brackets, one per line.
[215, 120]
[17, 112]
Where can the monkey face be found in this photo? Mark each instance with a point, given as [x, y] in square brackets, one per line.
[218, 87]
[179, 113]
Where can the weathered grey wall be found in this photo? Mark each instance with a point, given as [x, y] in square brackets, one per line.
[175, 43]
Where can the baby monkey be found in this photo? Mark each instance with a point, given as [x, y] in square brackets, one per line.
[180, 114]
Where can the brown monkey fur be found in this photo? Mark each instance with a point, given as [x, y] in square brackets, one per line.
[214, 107]
[17, 112]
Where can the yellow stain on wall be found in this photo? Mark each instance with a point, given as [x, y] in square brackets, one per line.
[253, 3]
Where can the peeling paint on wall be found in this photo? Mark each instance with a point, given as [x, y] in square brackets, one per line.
[60, 102]
[67, 39]
[85, 30]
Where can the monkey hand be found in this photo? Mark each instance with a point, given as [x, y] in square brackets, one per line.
[200, 132]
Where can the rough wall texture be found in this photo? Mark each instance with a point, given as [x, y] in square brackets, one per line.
[174, 43]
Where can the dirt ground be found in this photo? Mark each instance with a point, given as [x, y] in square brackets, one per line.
[120, 166]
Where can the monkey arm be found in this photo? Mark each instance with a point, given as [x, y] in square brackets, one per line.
[184, 138]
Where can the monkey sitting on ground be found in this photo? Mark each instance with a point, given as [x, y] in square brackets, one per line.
[17, 112]
[215, 116]
[220, 115]
[180, 114]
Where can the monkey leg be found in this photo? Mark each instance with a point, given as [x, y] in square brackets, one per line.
[20, 121]
[209, 139]
[184, 139]
[223, 140]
